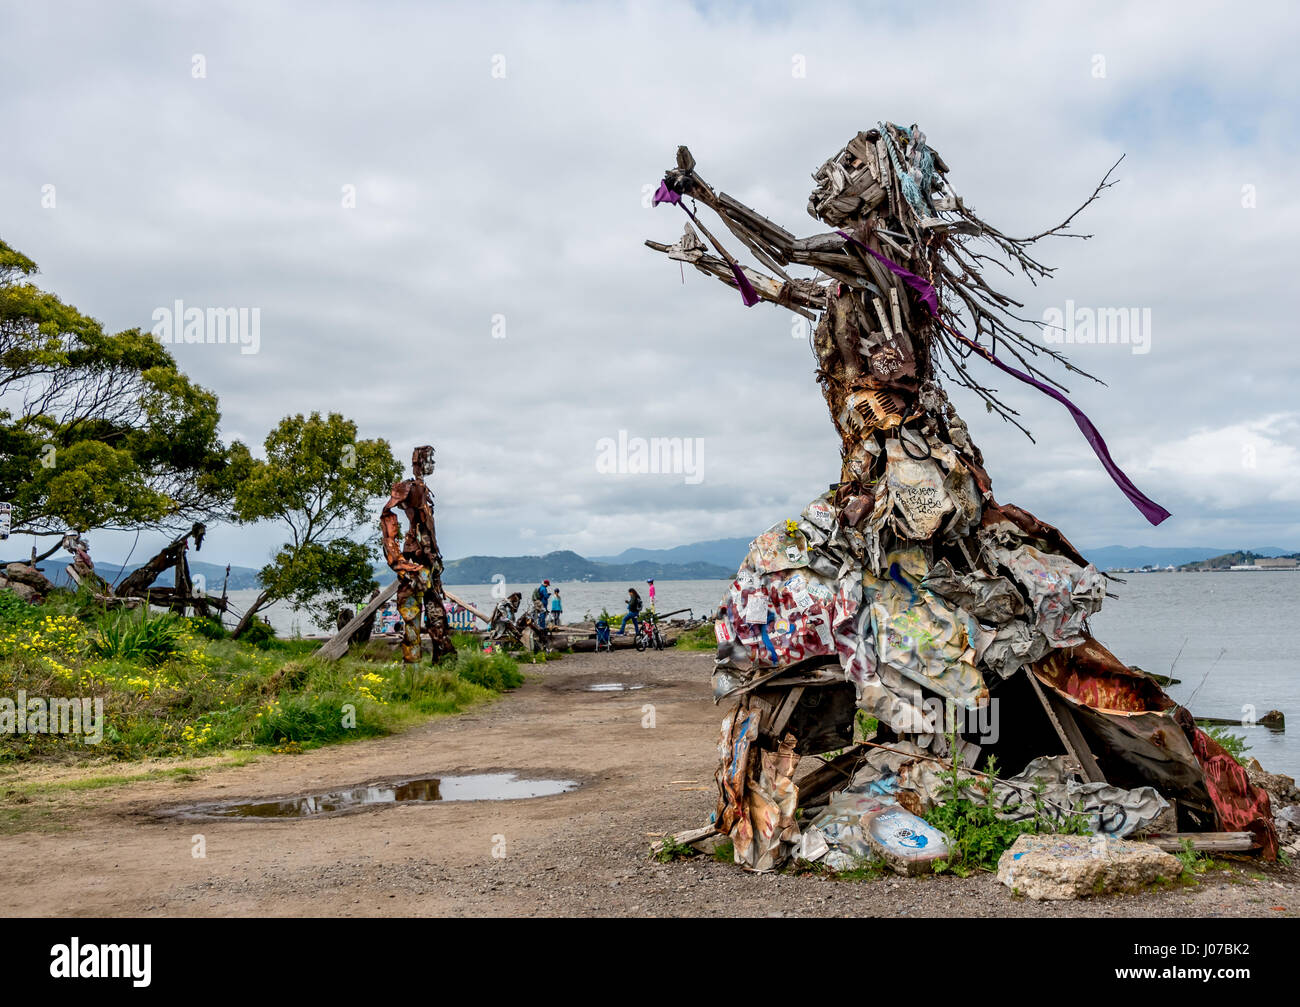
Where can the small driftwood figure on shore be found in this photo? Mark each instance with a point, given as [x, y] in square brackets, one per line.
[417, 562]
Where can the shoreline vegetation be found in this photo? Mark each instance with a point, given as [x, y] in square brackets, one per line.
[174, 686]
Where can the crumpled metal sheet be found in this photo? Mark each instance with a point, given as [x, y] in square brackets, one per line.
[1010, 525]
[811, 845]
[739, 731]
[922, 636]
[893, 700]
[770, 801]
[914, 500]
[919, 496]
[756, 792]
[778, 619]
[921, 784]
[1061, 594]
[1129, 719]
[1011, 647]
[1110, 810]
[1240, 806]
[841, 825]
[987, 597]
[1092, 675]
[777, 550]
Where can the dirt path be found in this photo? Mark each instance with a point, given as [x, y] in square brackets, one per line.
[581, 853]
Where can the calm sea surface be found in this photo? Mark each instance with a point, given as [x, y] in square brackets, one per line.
[1231, 628]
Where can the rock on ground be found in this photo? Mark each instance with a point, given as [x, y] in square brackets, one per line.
[1073, 867]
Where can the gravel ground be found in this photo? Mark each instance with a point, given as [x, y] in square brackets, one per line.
[644, 760]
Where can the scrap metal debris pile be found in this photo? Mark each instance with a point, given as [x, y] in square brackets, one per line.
[908, 591]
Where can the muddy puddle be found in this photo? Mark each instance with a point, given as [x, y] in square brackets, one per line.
[473, 787]
[614, 687]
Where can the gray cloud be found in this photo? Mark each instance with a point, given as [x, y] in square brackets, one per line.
[522, 197]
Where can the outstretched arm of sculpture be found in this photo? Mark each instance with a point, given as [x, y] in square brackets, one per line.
[857, 190]
[770, 244]
[391, 529]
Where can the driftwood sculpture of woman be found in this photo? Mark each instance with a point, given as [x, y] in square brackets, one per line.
[908, 589]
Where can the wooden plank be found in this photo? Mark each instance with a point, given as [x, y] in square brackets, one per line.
[1204, 842]
[767, 229]
[467, 606]
[833, 775]
[338, 643]
[751, 241]
[1068, 731]
[689, 837]
[785, 711]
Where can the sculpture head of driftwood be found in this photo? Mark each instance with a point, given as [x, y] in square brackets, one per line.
[422, 462]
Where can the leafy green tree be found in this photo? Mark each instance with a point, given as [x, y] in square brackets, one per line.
[98, 430]
[322, 482]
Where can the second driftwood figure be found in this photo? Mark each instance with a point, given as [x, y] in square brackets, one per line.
[417, 562]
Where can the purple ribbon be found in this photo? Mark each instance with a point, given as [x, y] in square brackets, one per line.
[922, 287]
[747, 292]
[1151, 510]
[666, 195]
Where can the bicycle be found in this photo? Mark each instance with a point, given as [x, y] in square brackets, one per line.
[649, 635]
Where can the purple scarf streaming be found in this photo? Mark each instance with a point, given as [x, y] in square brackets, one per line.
[925, 291]
[928, 296]
[747, 292]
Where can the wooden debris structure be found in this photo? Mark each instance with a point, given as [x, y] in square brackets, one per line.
[137, 587]
[183, 593]
[907, 593]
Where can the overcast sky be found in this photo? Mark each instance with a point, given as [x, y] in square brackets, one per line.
[500, 155]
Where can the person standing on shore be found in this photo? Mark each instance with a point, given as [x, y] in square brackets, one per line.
[650, 593]
[556, 607]
[633, 612]
[541, 594]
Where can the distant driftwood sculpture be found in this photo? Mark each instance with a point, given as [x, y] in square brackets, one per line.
[417, 562]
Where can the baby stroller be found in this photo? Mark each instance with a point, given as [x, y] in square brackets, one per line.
[603, 639]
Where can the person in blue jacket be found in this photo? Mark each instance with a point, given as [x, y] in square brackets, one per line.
[541, 594]
[633, 612]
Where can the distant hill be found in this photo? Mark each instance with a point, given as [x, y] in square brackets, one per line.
[1119, 557]
[725, 552]
[241, 577]
[569, 566]
[558, 566]
[1231, 559]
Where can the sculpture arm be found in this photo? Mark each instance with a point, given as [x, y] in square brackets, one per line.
[770, 243]
[391, 529]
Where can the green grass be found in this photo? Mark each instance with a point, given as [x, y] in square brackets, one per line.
[699, 638]
[176, 687]
[669, 849]
[1198, 862]
[138, 636]
[977, 837]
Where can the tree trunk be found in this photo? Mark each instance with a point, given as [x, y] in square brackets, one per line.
[247, 619]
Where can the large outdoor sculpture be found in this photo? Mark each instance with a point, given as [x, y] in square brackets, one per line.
[417, 562]
[908, 588]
